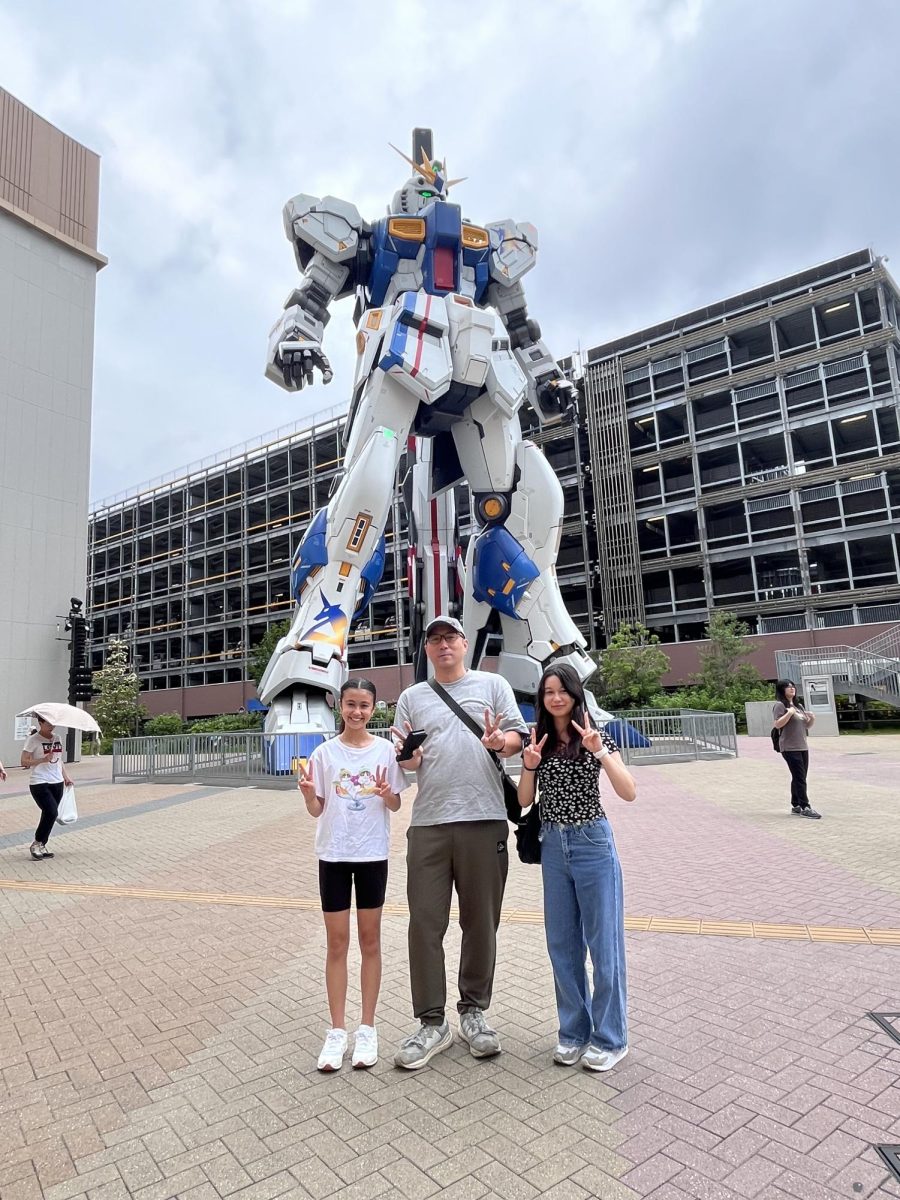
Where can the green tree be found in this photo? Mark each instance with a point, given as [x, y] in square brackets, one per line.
[722, 668]
[115, 704]
[265, 648]
[631, 668]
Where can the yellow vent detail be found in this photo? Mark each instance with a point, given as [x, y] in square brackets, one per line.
[373, 320]
[408, 229]
[474, 238]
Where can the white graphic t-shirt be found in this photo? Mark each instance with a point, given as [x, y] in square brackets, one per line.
[355, 822]
[46, 772]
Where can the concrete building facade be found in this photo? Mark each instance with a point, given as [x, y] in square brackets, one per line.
[746, 457]
[49, 190]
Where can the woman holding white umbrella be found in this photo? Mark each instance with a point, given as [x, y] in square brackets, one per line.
[42, 754]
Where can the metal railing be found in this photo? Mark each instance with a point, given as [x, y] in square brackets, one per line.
[851, 668]
[271, 760]
[232, 759]
[886, 644]
[654, 735]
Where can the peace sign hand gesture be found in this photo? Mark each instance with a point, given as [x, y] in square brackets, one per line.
[590, 737]
[531, 751]
[306, 784]
[383, 789]
[493, 738]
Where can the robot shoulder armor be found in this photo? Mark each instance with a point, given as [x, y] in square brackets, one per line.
[514, 249]
[329, 225]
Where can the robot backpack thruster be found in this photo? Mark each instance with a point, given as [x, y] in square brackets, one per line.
[446, 356]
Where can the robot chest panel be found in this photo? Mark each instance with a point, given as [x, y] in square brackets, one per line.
[434, 252]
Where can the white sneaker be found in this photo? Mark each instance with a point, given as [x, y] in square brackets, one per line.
[365, 1047]
[333, 1051]
[595, 1059]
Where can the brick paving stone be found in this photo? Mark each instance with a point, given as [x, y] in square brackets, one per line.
[457, 1166]
[554, 1170]
[468, 1188]
[567, 1190]
[409, 1181]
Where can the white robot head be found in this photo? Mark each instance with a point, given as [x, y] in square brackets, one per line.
[427, 183]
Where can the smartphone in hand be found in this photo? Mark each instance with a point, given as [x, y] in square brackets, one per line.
[411, 744]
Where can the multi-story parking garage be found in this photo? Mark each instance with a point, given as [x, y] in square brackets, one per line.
[746, 457]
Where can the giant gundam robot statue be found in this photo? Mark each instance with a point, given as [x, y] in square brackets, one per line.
[440, 378]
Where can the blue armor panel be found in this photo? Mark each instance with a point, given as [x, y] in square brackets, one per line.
[502, 570]
[440, 229]
[311, 553]
[371, 574]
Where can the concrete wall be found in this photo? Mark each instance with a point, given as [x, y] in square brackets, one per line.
[684, 657]
[46, 362]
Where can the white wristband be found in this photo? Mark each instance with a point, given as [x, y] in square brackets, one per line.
[598, 754]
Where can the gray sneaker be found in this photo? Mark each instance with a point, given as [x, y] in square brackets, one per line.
[418, 1049]
[568, 1056]
[474, 1029]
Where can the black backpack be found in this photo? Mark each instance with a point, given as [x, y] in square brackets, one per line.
[776, 739]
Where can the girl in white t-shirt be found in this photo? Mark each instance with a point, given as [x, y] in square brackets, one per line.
[351, 786]
[42, 754]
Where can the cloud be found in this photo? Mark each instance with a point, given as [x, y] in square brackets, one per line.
[669, 151]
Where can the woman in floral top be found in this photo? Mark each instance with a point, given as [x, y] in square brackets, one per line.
[583, 908]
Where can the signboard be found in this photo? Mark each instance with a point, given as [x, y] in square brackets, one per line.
[24, 724]
[818, 696]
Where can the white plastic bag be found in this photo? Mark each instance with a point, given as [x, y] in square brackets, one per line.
[68, 813]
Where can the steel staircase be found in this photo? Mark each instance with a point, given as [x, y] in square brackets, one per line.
[871, 669]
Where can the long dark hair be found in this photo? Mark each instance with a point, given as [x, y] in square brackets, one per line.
[780, 685]
[358, 684]
[546, 725]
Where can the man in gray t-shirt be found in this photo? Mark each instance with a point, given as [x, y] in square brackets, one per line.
[457, 837]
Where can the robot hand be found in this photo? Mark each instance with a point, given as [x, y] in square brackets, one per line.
[556, 397]
[297, 361]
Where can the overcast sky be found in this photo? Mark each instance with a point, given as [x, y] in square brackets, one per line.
[670, 152]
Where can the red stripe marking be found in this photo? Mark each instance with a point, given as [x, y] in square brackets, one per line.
[420, 344]
[436, 554]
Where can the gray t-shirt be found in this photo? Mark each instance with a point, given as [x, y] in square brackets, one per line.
[792, 736]
[457, 780]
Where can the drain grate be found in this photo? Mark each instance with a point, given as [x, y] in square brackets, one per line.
[884, 1021]
[890, 1156]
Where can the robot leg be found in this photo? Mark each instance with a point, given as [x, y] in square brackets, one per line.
[338, 565]
[511, 564]
[433, 556]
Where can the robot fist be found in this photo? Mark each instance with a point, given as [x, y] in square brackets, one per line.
[556, 397]
[298, 360]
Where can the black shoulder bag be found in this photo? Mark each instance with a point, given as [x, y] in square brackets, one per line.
[510, 793]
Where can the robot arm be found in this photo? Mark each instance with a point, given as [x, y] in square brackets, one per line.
[326, 235]
[513, 253]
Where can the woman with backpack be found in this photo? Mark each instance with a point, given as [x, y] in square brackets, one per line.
[793, 722]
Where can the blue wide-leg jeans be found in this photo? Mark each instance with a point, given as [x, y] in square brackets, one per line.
[583, 911]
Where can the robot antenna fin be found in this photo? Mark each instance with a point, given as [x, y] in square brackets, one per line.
[425, 168]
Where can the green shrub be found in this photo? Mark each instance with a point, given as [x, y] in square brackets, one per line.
[164, 723]
[227, 723]
[729, 699]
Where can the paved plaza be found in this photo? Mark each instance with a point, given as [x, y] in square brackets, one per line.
[162, 1004]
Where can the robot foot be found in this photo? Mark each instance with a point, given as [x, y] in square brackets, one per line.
[299, 693]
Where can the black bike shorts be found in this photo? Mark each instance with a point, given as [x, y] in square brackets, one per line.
[336, 880]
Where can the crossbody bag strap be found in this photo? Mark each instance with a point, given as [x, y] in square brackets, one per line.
[467, 720]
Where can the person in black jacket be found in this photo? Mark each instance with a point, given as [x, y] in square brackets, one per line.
[792, 721]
